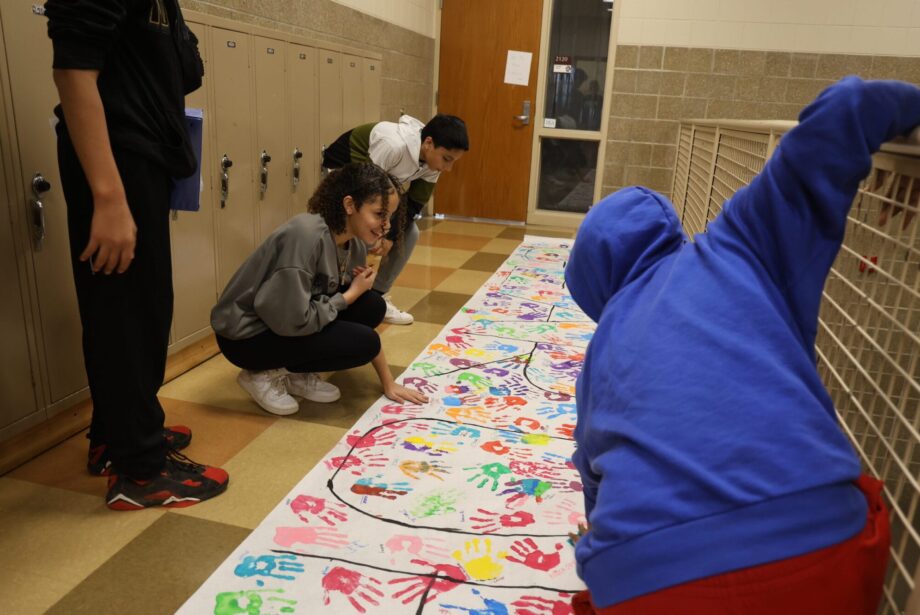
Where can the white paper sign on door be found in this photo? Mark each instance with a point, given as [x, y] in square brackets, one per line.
[517, 68]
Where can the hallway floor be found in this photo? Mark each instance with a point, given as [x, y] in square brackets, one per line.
[64, 552]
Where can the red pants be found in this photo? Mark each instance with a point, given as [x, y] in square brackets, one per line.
[844, 579]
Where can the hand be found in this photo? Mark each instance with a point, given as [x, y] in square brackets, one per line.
[582, 530]
[382, 247]
[112, 236]
[360, 283]
[400, 394]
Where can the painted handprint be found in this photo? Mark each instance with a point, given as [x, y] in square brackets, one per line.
[490, 606]
[527, 553]
[536, 605]
[360, 590]
[415, 545]
[358, 462]
[455, 341]
[310, 508]
[566, 513]
[490, 472]
[416, 469]
[478, 561]
[376, 487]
[321, 536]
[447, 577]
[253, 602]
[435, 504]
[433, 448]
[283, 567]
[489, 522]
[375, 437]
[534, 468]
[524, 489]
[556, 411]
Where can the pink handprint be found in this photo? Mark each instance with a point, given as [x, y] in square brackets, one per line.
[489, 521]
[322, 536]
[456, 341]
[447, 577]
[535, 605]
[358, 461]
[416, 546]
[566, 513]
[353, 585]
[376, 437]
[307, 507]
[533, 468]
[527, 552]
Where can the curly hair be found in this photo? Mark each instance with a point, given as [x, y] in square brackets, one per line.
[364, 182]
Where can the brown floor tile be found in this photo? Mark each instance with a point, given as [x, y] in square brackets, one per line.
[513, 232]
[404, 344]
[438, 307]
[157, 571]
[360, 388]
[449, 240]
[442, 257]
[485, 261]
[480, 229]
[422, 276]
[501, 246]
[464, 281]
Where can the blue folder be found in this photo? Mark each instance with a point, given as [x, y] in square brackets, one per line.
[186, 193]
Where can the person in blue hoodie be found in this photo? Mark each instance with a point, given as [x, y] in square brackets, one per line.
[716, 477]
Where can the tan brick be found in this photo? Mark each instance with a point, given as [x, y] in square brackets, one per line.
[777, 64]
[672, 84]
[804, 90]
[633, 105]
[619, 129]
[699, 60]
[650, 56]
[680, 108]
[654, 131]
[711, 86]
[615, 174]
[726, 61]
[664, 156]
[617, 152]
[753, 63]
[762, 89]
[648, 81]
[624, 80]
[640, 154]
[837, 65]
[803, 65]
[626, 56]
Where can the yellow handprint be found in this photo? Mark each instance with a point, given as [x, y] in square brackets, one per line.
[477, 561]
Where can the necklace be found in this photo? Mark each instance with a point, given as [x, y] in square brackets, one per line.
[341, 259]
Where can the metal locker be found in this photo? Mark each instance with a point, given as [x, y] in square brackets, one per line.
[192, 233]
[232, 161]
[330, 97]
[270, 155]
[371, 87]
[304, 150]
[352, 91]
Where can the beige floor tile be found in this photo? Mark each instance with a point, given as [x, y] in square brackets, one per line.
[449, 240]
[404, 298]
[501, 246]
[441, 257]
[267, 469]
[157, 571]
[423, 276]
[57, 538]
[403, 344]
[464, 281]
[479, 229]
[212, 383]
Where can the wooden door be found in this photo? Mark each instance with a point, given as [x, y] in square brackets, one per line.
[232, 89]
[302, 92]
[192, 233]
[493, 178]
[273, 204]
[34, 96]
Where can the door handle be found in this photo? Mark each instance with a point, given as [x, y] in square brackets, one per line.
[225, 164]
[40, 185]
[264, 158]
[295, 175]
[524, 117]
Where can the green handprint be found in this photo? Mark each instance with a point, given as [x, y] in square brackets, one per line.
[250, 602]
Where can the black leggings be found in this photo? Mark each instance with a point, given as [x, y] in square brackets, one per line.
[346, 342]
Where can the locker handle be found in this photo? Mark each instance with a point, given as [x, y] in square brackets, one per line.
[225, 163]
[295, 175]
[39, 186]
[264, 158]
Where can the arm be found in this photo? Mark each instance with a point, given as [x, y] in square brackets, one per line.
[792, 216]
[113, 233]
[284, 303]
[393, 391]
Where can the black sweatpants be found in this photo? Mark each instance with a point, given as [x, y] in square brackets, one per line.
[126, 317]
[346, 342]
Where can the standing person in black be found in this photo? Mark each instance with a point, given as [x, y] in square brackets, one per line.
[122, 69]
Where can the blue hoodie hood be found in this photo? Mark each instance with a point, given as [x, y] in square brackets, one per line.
[621, 237]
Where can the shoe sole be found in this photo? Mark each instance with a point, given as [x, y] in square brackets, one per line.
[394, 321]
[122, 503]
[319, 400]
[240, 381]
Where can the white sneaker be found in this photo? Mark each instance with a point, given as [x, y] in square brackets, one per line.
[312, 387]
[269, 390]
[395, 316]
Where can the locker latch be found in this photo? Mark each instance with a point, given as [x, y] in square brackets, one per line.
[295, 175]
[40, 185]
[225, 164]
[264, 158]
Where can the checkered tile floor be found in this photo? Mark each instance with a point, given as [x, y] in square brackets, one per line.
[62, 551]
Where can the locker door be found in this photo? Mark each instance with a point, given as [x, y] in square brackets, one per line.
[273, 178]
[192, 233]
[302, 102]
[16, 380]
[34, 97]
[232, 107]
[330, 97]
[352, 91]
[371, 85]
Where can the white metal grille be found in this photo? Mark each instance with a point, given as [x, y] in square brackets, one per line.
[699, 180]
[868, 342]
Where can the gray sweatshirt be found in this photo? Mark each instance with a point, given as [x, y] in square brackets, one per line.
[290, 284]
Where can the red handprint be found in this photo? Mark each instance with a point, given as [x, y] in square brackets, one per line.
[535, 605]
[358, 461]
[456, 340]
[566, 430]
[527, 552]
[330, 513]
[353, 585]
[447, 577]
[489, 521]
[376, 437]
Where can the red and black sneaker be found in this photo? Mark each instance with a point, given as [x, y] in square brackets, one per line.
[98, 463]
[182, 482]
